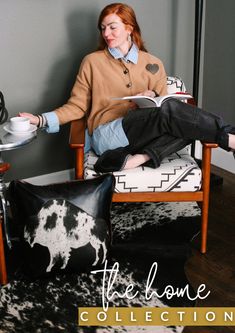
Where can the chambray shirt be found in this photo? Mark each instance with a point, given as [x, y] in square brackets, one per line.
[107, 136]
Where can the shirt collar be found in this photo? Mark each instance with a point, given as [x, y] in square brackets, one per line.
[132, 55]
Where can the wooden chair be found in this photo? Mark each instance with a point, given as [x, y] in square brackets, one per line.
[201, 195]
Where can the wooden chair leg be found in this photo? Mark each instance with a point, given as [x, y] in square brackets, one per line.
[206, 168]
[3, 270]
[79, 164]
[204, 225]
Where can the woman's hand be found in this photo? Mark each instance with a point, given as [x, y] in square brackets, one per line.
[33, 119]
[148, 93]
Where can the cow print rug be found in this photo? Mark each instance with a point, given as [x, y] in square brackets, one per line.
[143, 233]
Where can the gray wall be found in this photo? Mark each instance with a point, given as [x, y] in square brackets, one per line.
[219, 69]
[219, 58]
[42, 44]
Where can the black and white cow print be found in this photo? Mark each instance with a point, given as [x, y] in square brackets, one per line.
[60, 227]
[50, 305]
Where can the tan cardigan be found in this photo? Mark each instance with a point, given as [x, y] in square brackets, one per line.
[102, 77]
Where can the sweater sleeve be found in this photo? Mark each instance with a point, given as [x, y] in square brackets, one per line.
[80, 100]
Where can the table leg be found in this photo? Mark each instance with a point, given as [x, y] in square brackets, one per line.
[5, 216]
[3, 270]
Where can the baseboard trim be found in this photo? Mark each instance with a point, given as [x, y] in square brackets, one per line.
[54, 177]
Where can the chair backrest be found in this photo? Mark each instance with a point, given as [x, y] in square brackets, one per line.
[175, 84]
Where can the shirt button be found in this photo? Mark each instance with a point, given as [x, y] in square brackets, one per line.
[129, 85]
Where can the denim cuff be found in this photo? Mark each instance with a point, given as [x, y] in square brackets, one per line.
[53, 125]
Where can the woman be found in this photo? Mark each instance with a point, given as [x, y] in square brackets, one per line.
[123, 135]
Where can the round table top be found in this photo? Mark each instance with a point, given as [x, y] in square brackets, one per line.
[9, 141]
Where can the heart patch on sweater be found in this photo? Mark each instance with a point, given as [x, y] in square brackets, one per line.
[152, 68]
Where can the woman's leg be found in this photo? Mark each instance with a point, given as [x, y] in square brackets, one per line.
[149, 131]
[134, 161]
[129, 158]
[231, 141]
[156, 150]
[178, 119]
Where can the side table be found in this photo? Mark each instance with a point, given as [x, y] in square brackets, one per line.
[7, 142]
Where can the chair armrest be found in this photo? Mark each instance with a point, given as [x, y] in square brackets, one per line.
[77, 142]
[206, 165]
[77, 133]
[206, 159]
[210, 145]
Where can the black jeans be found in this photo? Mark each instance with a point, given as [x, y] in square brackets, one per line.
[162, 131]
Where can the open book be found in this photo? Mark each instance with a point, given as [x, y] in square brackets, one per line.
[148, 102]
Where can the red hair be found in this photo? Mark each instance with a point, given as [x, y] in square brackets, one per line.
[127, 15]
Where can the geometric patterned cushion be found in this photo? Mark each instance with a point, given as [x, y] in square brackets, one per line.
[175, 84]
[178, 172]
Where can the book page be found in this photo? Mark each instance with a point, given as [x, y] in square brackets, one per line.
[149, 102]
[141, 101]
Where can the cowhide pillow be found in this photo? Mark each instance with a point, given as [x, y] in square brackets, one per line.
[63, 226]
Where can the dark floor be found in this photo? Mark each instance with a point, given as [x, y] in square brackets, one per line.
[217, 267]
